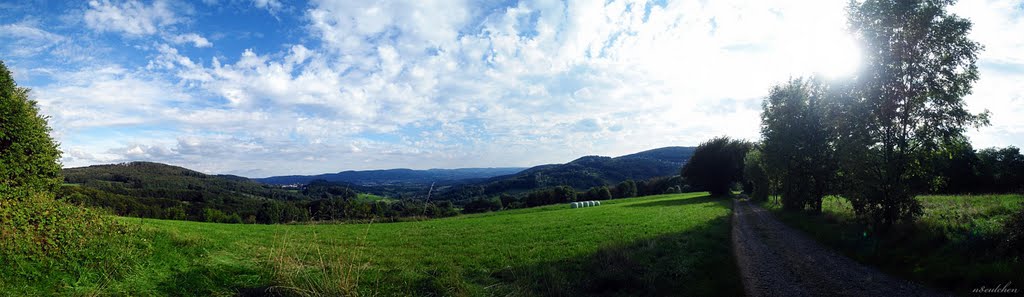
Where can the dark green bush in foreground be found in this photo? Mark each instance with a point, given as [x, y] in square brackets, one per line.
[65, 247]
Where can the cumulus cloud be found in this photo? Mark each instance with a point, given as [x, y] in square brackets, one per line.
[193, 38]
[132, 17]
[423, 84]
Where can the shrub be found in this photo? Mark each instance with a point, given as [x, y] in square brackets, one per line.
[1014, 242]
[42, 239]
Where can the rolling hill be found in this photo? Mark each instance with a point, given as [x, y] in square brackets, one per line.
[393, 176]
[582, 173]
[156, 180]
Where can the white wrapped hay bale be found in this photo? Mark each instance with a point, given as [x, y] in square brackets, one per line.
[598, 203]
[574, 205]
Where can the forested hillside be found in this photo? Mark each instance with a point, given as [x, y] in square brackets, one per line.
[581, 174]
[153, 190]
[394, 176]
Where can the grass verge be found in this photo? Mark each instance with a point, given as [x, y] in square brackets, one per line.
[954, 245]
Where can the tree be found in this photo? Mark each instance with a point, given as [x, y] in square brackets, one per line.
[1001, 170]
[716, 164]
[754, 172]
[482, 205]
[918, 64]
[797, 142]
[625, 189]
[603, 193]
[29, 158]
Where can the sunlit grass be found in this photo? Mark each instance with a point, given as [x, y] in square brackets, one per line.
[658, 245]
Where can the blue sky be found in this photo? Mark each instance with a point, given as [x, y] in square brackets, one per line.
[271, 87]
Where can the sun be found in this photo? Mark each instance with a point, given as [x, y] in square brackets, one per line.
[836, 57]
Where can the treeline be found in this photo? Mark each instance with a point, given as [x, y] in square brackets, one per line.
[566, 194]
[151, 190]
[334, 203]
[964, 170]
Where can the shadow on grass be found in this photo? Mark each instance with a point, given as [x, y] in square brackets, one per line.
[697, 262]
[678, 201]
[216, 279]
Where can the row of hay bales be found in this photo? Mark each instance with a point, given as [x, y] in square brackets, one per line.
[584, 204]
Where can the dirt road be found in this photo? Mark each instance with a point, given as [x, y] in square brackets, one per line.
[776, 260]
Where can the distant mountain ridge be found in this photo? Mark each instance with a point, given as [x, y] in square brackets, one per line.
[394, 176]
[582, 173]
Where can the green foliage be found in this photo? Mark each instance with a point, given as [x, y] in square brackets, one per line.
[595, 193]
[482, 205]
[49, 242]
[29, 157]
[659, 185]
[152, 190]
[556, 195]
[797, 142]
[1014, 241]
[907, 102]
[957, 243]
[583, 173]
[625, 189]
[1001, 170]
[756, 175]
[717, 164]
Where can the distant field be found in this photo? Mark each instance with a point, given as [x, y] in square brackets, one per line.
[954, 244]
[373, 198]
[658, 245]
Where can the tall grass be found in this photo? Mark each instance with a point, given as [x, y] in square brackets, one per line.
[955, 244]
[301, 267]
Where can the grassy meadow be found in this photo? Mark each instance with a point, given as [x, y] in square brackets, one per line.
[656, 245]
[955, 244]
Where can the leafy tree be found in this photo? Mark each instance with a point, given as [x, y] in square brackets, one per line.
[754, 172]
[716, 164]
[559, 194]
[957, 169]
[1001, 170]
[603, 193]
[797, 142]
[625, 189]
[29, 158]
[918, 64]
[482, 205]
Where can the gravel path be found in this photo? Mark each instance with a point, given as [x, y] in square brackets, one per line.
[776, 260]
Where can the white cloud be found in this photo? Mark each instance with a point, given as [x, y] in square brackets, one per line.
[271, 5]
[450, 83]
[193, 38]
[131, 17]
[26, 39]
[997, 26]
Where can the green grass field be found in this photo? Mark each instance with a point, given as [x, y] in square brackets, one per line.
[373, 198]
[955, 244]
[658, 245]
